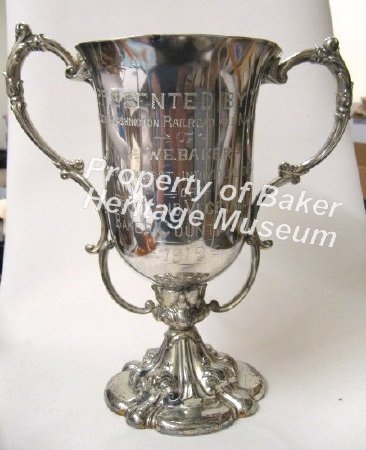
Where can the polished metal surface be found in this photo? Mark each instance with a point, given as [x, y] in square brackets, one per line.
[205, 392]
[182, 107]
[177, 116]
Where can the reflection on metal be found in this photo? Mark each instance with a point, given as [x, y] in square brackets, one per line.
[177, 117]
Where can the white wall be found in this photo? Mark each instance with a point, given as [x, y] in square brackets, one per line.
[349, 22]
[3, 49]
[301, 326]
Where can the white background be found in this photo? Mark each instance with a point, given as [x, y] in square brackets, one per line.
[302, 325]
[3, 102]
[349, 26]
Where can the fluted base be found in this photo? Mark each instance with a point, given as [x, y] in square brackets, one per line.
[184, 388]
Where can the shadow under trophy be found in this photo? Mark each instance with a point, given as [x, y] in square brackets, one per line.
[177, 117]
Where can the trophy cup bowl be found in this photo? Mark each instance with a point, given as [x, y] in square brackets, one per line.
[177, 117]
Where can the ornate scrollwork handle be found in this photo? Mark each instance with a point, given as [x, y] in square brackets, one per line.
[254, 243]
[103, 263]
[27, 42]
[328, 55]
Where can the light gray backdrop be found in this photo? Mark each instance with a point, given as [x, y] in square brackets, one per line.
[303, 324]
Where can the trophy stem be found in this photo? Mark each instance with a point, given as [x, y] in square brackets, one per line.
[184, 387]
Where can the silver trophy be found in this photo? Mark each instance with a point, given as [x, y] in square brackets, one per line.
[177, 117]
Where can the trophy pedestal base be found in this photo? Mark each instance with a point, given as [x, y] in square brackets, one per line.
[184, 388]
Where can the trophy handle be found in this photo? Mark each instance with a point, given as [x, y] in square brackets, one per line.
[27, 42]
[328, 55]
[255, 245]
[103, 264]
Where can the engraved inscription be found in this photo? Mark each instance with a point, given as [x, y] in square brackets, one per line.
[190, 101]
